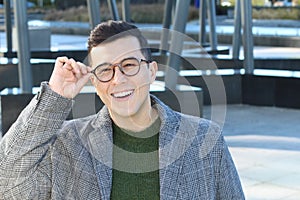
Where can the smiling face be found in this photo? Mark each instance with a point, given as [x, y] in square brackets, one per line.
[125, 96]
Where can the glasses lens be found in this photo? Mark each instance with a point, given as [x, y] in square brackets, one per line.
[130, 66]
[104, 72]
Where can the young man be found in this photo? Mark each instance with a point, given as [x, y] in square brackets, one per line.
[134, 148]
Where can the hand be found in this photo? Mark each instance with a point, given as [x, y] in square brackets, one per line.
[69, 77]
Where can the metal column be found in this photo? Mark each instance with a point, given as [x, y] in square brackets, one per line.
[243, 20]
[24, 66]
[174, 60]
[167, 21]
[211, 5]
[94, 12]
[202, 22]
[246, 8]
[236, 38]
[8, 27]
[126, 10]
[113, 9]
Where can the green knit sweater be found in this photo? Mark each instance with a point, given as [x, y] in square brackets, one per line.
[135, 163]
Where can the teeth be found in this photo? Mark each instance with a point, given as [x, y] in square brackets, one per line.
[122, 94]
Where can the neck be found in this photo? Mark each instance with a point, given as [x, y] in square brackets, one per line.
[138, 122]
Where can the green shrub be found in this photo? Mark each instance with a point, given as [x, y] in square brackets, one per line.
[153, 13]
[276, 13]
[147, 13]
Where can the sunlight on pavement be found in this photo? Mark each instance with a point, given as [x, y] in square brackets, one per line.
[268, 173]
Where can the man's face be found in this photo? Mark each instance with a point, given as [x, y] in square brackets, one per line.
[125, 96]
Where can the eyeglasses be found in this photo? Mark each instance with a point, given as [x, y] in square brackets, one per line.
[129, 67]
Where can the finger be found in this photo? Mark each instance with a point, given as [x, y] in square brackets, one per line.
[83, 68]
[89, 69]
[60, 61]
[75, 66]
[76, 69]
[68, 66]
[84, 79]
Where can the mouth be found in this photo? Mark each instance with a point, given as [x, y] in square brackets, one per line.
[123, 94]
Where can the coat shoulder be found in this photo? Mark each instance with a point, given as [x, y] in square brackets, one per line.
[201, 124]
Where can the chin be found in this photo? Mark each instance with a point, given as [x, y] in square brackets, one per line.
[124, 112]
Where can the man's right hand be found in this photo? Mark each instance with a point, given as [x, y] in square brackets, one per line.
[69, 77]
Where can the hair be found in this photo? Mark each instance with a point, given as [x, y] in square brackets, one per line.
[110, 31]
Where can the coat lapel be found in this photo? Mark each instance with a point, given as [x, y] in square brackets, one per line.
[176, 136]
[100, 144]
[169, 151]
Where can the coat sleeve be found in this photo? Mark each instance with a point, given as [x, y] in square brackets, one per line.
[25, 161]
[229, 185]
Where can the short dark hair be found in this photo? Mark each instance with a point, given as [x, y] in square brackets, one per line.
[109, 31]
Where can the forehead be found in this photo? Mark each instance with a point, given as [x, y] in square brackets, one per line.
[116, 50]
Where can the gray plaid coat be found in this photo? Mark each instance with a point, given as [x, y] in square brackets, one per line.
[43, 156]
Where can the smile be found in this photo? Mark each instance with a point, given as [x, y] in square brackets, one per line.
[122, 94]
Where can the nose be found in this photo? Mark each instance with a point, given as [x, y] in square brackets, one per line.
[119, 76]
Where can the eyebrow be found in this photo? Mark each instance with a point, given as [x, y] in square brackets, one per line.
[105, 63]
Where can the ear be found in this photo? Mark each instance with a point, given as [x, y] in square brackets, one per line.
[153, 67]
[93, 81]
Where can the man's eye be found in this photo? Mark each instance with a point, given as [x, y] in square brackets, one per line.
[106, 70]
[129, 65]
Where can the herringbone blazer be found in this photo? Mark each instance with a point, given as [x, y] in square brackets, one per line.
[43, 156]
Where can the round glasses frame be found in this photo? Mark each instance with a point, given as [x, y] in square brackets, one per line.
[121, 66]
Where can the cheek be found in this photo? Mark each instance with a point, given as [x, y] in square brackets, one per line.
[100, 88]
[98, 92]
[102, 94]
[144, 78]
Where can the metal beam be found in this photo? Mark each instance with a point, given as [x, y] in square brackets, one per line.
[212, 23]
[167, 21]
[113, 9]
[126, 10]
[24, 66]
[202, 22]
[236, 38]
[176, 45]
[8, 27]
[94, 12]
[246, 8]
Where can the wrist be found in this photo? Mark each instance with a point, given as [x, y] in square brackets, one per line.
[55, 89]
[59, 90]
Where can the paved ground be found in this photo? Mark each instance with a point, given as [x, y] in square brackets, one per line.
[264, 141]
[265, 145]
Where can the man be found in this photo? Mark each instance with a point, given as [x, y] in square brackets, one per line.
[134, 148]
